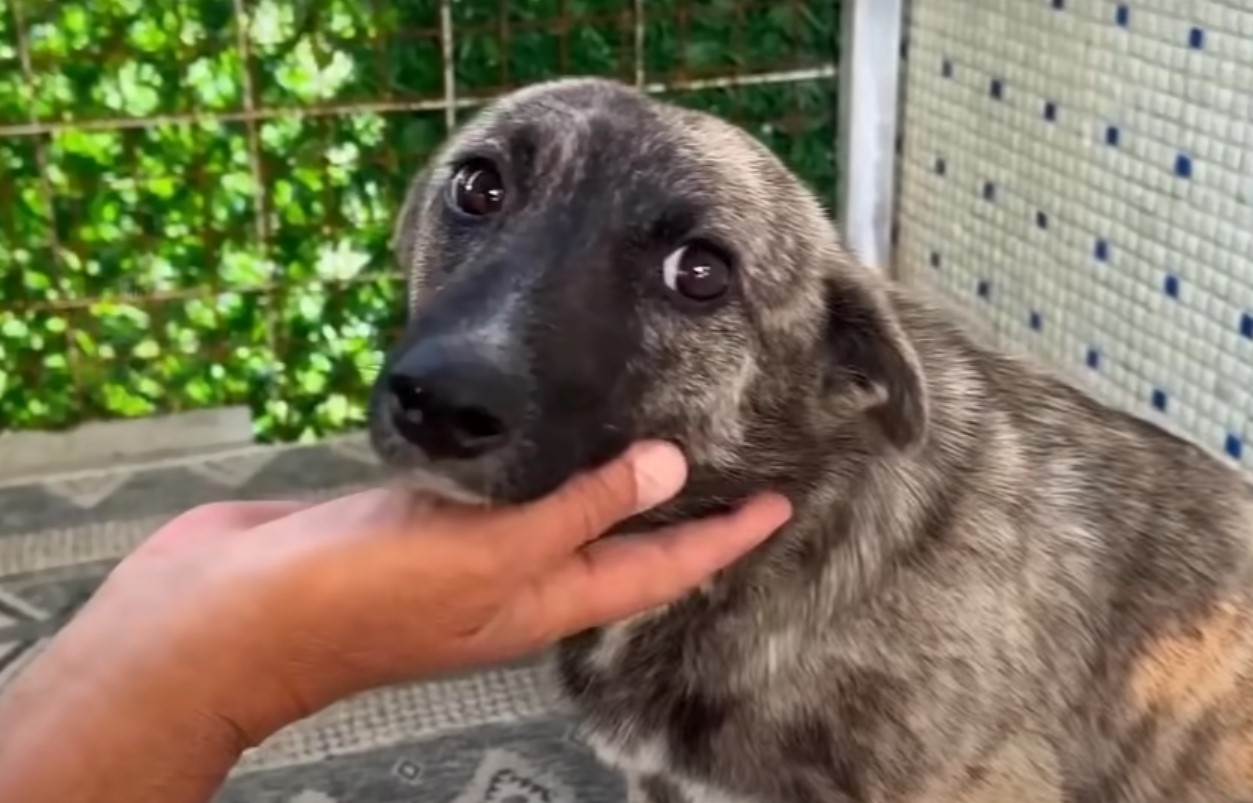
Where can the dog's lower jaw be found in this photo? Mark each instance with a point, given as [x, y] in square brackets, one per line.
[421, 482]
[666, 515]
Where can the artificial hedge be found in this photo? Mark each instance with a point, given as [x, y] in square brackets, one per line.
[143, 266]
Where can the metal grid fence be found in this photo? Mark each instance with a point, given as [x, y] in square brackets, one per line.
[196, 195]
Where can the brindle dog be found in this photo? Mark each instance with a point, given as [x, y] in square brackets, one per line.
[993, 589]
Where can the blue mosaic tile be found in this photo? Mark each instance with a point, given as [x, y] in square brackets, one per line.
[1101, 251]
[1196, 38]
[997, 88]
[1170, 285]
[1234, 446]
[1059, 4]
[1112, 136]
[1093, 359]
[984, 288]
[989, 191]
[1183, 166]
[1246, 325]
[1122, 15]
[1035, 321]
[1041, 220]
[1050, 111]
[1159, 400]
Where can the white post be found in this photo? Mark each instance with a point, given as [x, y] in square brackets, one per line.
[869, 75]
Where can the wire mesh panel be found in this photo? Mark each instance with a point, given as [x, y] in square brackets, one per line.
[196, 195]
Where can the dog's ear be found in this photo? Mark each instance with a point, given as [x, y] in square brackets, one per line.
[870, 362]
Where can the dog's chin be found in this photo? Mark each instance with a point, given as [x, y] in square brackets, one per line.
[473, 483]
[512, 479]
[681, 510]
[445, 489]
[484, 492]
[459, 482]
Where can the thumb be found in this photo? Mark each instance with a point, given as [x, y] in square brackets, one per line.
[581, 510]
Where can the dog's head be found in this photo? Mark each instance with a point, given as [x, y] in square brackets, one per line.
[588, 266]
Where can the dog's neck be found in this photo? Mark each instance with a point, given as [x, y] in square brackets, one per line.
[874, 511]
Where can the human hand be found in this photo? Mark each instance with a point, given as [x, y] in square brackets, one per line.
[260, 613]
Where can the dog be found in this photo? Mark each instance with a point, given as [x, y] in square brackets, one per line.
[993, 587]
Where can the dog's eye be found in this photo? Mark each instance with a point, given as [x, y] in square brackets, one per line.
[477, 188]
[696, 272]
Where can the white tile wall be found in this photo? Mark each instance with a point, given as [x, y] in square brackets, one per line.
[1078, 175]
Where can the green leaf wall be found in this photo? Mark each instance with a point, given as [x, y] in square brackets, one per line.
[196, 195]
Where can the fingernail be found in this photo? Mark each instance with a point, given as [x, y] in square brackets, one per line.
[660, 471]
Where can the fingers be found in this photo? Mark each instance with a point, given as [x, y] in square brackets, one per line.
[246, 515]
[585, 507]
[624, 575]
[373, 511]
[235, 516]
[217, 519]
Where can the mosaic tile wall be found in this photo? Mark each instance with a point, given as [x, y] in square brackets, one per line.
[1078, 175]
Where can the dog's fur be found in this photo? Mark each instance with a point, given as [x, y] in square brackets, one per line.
[993, 588]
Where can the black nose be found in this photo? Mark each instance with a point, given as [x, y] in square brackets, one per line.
[451, 402]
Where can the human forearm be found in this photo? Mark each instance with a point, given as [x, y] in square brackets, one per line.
[74, 730]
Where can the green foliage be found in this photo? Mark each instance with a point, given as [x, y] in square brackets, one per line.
[205, 218]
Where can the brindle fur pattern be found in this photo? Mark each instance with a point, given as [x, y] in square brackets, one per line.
[993, 588]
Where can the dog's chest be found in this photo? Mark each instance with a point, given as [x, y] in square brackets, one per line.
[645, 762]
[646, 707]
[655, 700]
[655, 705]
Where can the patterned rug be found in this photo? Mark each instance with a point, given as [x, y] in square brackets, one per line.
[498, 736]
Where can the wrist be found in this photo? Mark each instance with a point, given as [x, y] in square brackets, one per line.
[111, 740]
[118, 720]
[180, 677]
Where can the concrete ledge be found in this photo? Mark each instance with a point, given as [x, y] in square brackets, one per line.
[31, 454]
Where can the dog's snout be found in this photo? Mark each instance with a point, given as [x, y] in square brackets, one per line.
[453, 403]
